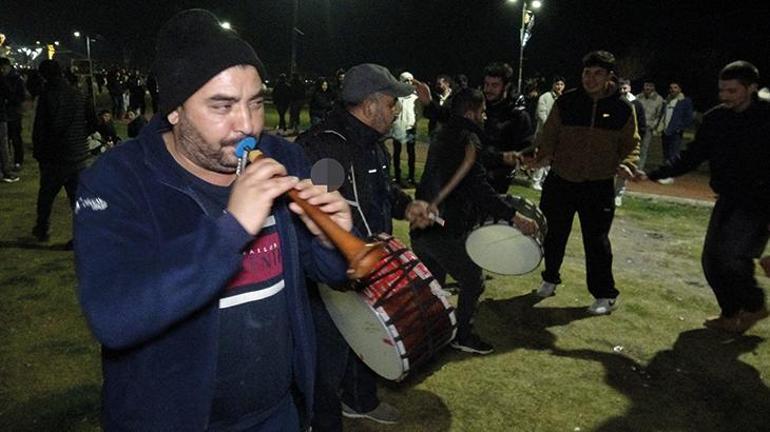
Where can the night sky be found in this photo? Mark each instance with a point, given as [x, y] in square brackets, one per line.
[684, 40]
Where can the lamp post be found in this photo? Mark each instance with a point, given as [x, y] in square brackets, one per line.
[525, 31]
[90, 68]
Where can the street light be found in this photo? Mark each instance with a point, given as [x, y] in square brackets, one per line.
[226, 25]
[90, 67]
[525, 31]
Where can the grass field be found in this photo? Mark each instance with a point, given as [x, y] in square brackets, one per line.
[650, 366]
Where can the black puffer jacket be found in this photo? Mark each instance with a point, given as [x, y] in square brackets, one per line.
[62, 124]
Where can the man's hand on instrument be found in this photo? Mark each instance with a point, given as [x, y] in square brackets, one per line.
[764, 262]
[253, 192]
[423, 92]
[625, 172]
[511, 158]
[526, 225]
[331, 203]
[531, 162]
[418, 214]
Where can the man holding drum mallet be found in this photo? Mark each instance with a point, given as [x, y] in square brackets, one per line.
[193, 278]
[590, 136]
[351, 138]
[456, 183]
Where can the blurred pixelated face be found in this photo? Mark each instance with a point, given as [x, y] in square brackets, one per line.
[625, 89]
[494, 88]
[595, 80]
[215, 118]
[648, 88]
[558, 87]
[674, 89]
[384, 110]
[106, 117]
[324, 86]
[442, 85]
[734, 95]
[479, 116]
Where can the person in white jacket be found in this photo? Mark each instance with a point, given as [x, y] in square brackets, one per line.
[404, 132]
[544, 105]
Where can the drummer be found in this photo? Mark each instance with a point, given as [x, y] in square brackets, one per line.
[455, 183]
[352, 135]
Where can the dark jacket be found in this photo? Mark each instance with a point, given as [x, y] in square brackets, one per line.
[14, 86]
[473, 197]
[737, 148]
[681, 117]
[588, 139]
[321, 102]
[151, 265]
[62, 125]
[281, 94]
[359, 149]
[508, 128]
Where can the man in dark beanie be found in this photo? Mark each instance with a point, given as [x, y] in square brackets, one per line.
[189, 269]
[590, 136]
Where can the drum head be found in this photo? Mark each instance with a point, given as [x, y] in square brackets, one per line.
[358, 323]
[502, 249]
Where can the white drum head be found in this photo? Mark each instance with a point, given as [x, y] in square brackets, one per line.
[359, 324]
[502, 249]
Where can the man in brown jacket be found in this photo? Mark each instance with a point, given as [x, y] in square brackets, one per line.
[589, 137]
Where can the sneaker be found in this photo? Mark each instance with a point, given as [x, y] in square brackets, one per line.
[603, 306]
[618, 201]
[546, 289]
[472, 344]
[748, 319]
[725, 324]
[385, 413]
[666, 181]
[10, 178]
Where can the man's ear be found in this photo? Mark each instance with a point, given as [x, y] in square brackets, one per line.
[173, 117]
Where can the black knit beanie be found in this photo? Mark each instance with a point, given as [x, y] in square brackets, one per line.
[192, 48]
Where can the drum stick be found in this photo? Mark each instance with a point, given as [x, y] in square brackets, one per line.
[457, 177]
[362, 257]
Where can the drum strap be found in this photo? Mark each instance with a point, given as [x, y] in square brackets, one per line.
[355, 202]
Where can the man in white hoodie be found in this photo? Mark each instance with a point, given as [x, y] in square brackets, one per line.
[404, 132]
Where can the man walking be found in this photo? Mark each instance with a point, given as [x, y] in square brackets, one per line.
[589, 138]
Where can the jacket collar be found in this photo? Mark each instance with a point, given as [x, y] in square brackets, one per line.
[354, 130]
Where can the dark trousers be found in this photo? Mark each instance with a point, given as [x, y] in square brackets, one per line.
[294, 110]
[282, 116]
[410, 154]
[671, 146]
[445, 253]
[52, 178]
[340, 375]
[14, 139]
[594, 203]
[735, 237]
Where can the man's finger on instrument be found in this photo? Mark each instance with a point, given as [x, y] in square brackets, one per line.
[264, 168]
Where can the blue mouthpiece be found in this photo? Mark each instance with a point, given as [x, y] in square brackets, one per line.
[244, 146]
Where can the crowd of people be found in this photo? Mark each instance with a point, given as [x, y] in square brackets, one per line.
[200, 280]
